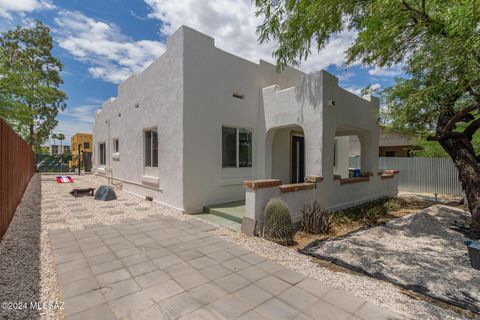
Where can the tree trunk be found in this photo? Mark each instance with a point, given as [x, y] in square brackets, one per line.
[469, 174]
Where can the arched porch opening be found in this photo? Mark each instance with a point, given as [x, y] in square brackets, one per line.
[352, 151]
[285, 153]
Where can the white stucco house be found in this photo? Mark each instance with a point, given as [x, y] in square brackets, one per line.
[201, 126]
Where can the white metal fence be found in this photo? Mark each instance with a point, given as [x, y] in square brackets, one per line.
[429, 175]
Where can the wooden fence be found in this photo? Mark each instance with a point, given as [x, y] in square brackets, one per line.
[16, 170]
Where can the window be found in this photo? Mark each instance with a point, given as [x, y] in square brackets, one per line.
[229, 150]
[151, 148]
[244, 148]
[236, 147]
[86, 145]
[103, 153]
[115, 146]
[389, 153]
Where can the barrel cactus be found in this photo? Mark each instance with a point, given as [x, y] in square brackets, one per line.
[278, 223]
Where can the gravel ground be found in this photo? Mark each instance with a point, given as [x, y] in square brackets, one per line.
[27, 272]
[378, 292]
[418, 250]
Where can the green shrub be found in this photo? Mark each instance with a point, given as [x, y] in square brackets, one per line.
[278, 223]
[315, 219]
[368, 213]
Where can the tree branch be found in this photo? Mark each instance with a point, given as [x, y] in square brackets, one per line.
[407, 6]
[423, 17]
[457, 117]
[471, 128]
[447, 136]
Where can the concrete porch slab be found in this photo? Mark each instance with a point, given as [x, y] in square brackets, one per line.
[234, 211]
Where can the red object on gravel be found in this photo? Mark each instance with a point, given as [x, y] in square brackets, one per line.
[64, 179]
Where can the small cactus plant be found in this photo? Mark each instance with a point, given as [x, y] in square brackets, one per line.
[278, 223]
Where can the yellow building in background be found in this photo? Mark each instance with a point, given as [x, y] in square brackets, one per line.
[84, 142]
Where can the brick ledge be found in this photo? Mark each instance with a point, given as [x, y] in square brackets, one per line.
[354, 180]
[391, 171]
[262, 183]
[294, 187]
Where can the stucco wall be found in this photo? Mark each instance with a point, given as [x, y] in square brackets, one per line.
[211, 77]
[187, 94]
[158, 91]
[341, 167]
[325, 112]
[350, 115]
[331, 195]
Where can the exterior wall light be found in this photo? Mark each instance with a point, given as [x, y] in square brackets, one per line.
[331, 103]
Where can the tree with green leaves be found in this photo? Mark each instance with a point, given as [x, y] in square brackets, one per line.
[431, 149]
[437, 42]
[54, 137]
[30, 98]
[60, 138]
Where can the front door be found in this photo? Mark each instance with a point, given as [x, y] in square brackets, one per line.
[297, 161]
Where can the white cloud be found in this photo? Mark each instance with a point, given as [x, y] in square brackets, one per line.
[355, 90]
[233, 23]
[76, 119]
[358, 90]
[345, 75]
[112, 56]
[386, 72]
[9, 8]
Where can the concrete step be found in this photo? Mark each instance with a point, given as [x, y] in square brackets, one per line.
[233, 211]
[229, 224]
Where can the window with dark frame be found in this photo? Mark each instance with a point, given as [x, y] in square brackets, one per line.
[229, 147]
[103, 153]
[151, 148]
[86, 145]
[236, 147]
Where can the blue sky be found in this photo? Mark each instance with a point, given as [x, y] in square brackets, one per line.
[101, 43]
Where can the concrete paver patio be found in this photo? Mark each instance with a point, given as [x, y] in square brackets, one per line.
[165, 268]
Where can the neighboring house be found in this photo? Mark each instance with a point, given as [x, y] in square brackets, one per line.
[392, 144]
[55, 149]
[81, 145]
[199, 121]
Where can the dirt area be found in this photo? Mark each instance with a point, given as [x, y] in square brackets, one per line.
[412, 205]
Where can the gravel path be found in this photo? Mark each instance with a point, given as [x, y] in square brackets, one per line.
[27, 272]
